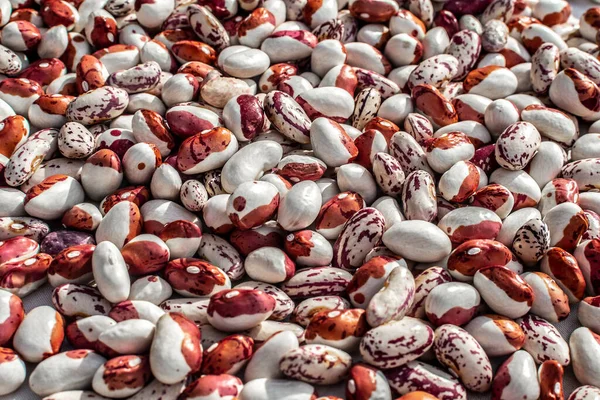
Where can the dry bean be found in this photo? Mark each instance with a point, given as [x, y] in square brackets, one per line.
[13, 371]
[40, 334]
[584, 349]
[516, 377]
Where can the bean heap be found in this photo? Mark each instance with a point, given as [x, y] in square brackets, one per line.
[266, 199]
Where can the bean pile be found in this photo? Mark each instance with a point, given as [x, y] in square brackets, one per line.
[245, 199]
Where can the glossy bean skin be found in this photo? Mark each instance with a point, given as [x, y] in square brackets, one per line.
[392, 301]
[537, 345]
[519, 370]
[364, 380]
[452, 302]
[13, 370]
[295, 361]
[474, 369]
[417, 376]
[180, 329]
[497, 334]
[380, 348]
[69, 370]
[501, 283]
[550, 375]
[13, 309]
[276, 186]
[348, 251]
[583, 343]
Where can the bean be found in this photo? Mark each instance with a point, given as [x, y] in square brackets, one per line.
[417, 375]
[497, 282]
[266, 389]
[408, 238]
[584, 346]
[375, 169]
[497, 335]
[297, 362]
[13, 371]
[520, 371]
[171, 368]
[543, 341]
[453, 303]
[381, 347]
[550, 301]
[391, 302]
[474, 369]
[48, 326]
[65, 371]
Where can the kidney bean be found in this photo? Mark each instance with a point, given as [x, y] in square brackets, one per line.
[458, 350]
[562, 93]
[250, 163]
[225, 314]
[70, 370]
[84, 333]
[563, 268]
[13, 200]
[584, 346]
[133, 369]
[587, 313]
[72, 265]
[558, 191]
[452, 302]
[516, 377]
[586, 254]
[396, 343]
[532, 241]
[335, 212]
[299, 45]
[408, 238]
[543, 341]
[304, 363]
[584, 392]
[266, 329]
[436, 41]
[284, 305]
[210, 385]
[266, 388]
[306, 309]
[419, 196]
[550, 375]
[393, 300]
[592, 232]
[79, 300]
[342, 329]
[496, 282]
[175, 333]
[48, 326]
[308, 248]
[417, 375]
[13, 370]
[30, 228]
[566, 223]
[317, 281]
[359, 235]
[227, 356]
[550, 302]
[468, 223]
[497, 335]
[132, 336]
[523, 187]
[12, 308]
[192, 308]
[300, 207]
